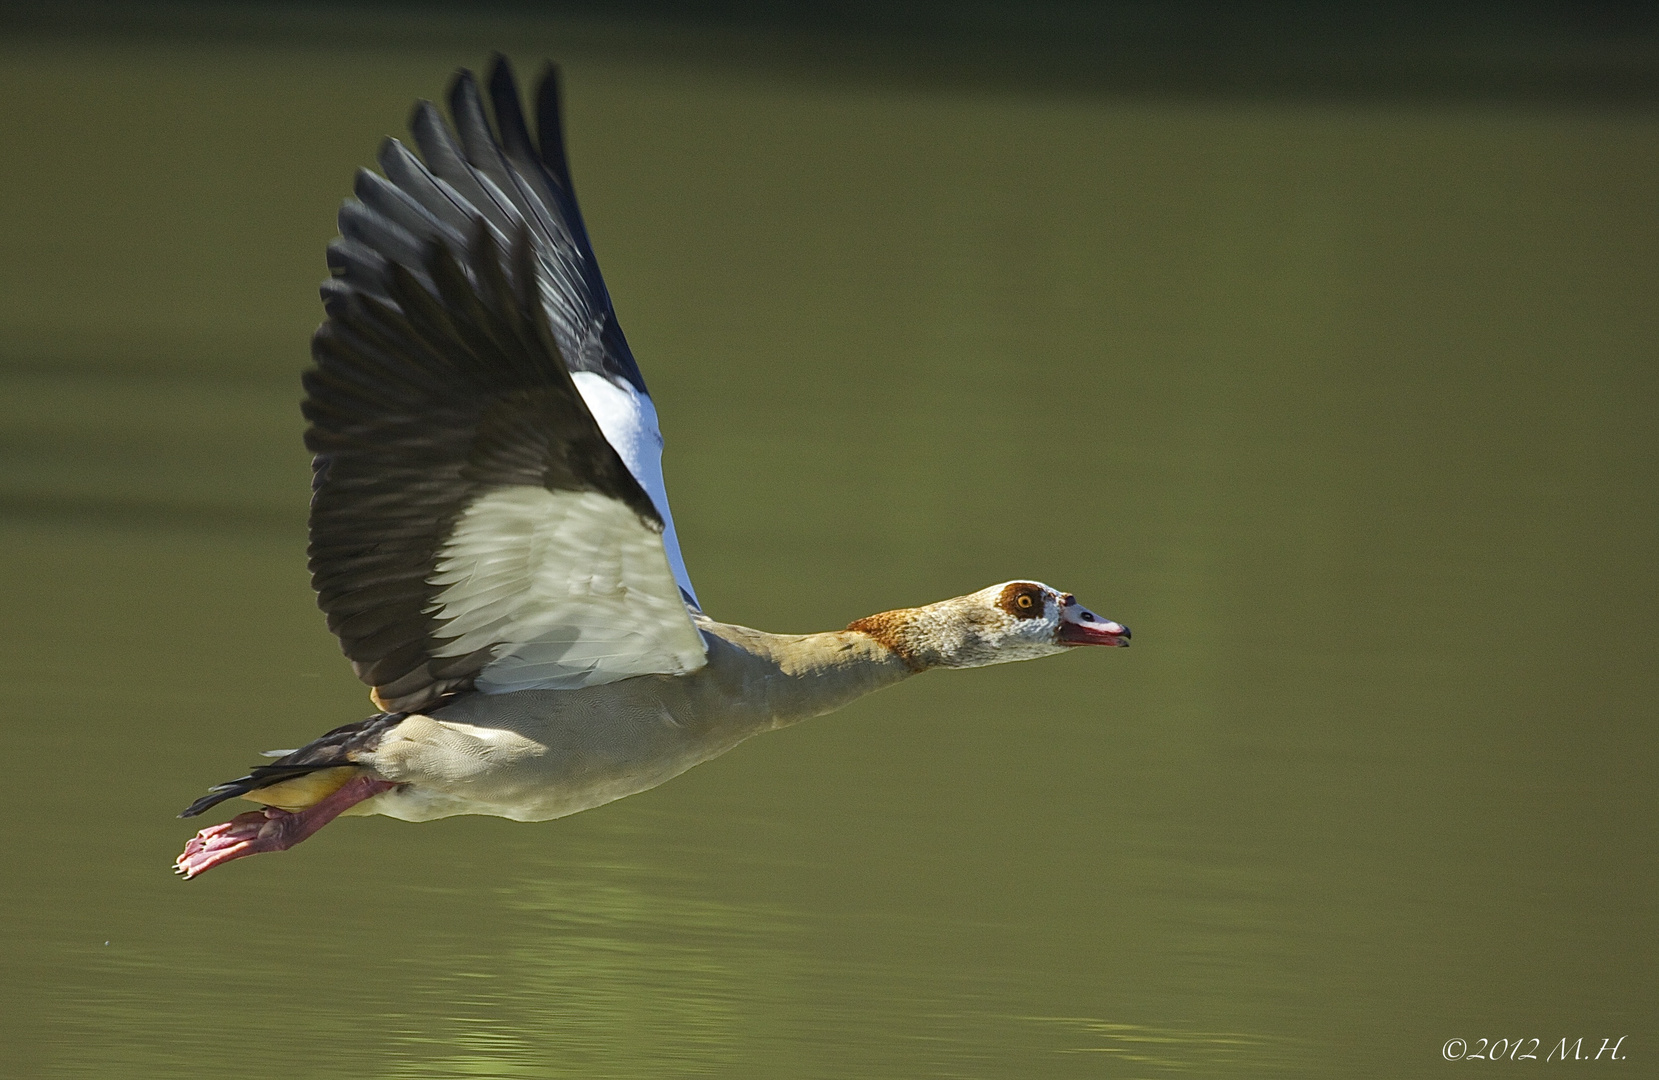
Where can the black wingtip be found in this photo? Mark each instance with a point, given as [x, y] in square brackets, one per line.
[501, 82]
[509, 113]
[459, 84]
[422, 114]
[501, 74]
[466, 106]
[550, 134]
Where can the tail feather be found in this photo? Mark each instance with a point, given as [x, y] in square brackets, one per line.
[339, 747]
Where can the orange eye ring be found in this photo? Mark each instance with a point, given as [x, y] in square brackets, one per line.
[1024, 600]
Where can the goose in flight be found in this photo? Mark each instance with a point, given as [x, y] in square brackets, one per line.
[490, 537]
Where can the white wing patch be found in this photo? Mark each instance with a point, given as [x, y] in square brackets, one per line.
[629, 423]
[576, 590]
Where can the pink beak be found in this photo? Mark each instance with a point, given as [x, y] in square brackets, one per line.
[1080, 626]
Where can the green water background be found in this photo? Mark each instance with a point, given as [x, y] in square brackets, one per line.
[1345, 403]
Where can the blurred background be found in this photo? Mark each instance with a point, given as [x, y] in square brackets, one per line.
[1317, 346]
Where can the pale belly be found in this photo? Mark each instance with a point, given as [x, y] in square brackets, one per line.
[537, 755]
[417, 802]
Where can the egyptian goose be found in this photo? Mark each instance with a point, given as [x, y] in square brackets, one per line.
[490, 536]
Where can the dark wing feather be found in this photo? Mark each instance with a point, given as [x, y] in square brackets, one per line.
[464, 295]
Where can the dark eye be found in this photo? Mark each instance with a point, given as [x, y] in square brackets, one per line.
[1024, 601]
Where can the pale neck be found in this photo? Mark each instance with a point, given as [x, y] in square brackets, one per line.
[786, 678]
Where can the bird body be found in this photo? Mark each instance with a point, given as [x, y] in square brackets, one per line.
[490, 532]
[533, 755]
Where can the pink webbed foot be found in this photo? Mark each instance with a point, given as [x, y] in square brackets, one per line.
[269, 829]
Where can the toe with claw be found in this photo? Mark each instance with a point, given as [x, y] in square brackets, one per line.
[269, 829]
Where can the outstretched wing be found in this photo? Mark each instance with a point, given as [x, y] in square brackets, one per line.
[488, 508]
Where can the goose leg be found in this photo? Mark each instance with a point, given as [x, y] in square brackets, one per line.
[270, 829]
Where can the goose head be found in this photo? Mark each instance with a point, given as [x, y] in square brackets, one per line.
[1016, 620]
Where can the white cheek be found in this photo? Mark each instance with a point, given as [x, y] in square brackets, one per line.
[1030, 638]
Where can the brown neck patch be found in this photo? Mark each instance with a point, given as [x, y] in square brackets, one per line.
[891, 630]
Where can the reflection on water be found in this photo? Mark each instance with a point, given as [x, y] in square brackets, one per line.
[603, 956]
[1153, 1049]
[1346, 409]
